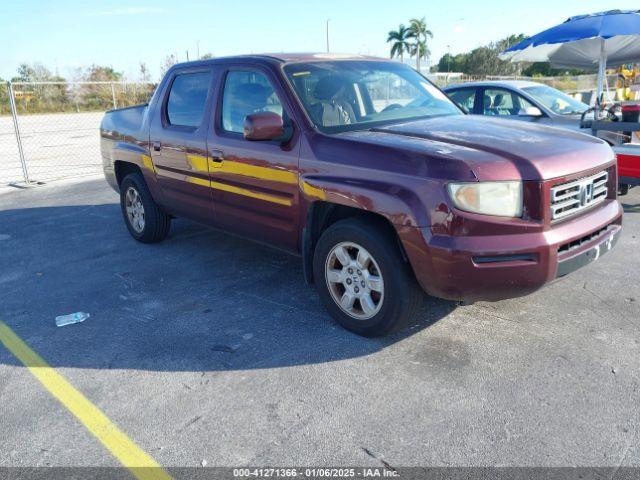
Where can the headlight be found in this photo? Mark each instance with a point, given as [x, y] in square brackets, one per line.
[503, 199]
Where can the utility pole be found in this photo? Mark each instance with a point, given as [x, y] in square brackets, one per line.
[328, 19]
[198, 49]
[448, 59]
[187, 51]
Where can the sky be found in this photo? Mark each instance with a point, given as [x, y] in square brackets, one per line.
[66, 35]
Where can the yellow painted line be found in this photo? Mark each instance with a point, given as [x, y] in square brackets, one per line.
[256, 171]
[199, 163]
[248, 193]
[141, 465]
[199, 181]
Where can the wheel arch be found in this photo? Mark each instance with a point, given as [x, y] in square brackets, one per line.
[321, 214]
[123, 168]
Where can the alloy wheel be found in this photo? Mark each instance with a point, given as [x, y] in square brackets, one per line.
[135, 210]
[354, 280]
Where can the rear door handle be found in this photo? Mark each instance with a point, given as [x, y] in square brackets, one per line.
[157, 146]
[216, 156]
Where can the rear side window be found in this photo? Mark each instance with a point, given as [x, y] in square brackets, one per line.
[187, 99]
[465, 98]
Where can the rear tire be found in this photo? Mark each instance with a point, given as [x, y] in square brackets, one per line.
[146, 222]
[362, 278]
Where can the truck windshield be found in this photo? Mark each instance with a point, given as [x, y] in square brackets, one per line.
[350, 95]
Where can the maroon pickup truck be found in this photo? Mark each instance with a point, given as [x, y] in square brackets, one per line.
[362, 167]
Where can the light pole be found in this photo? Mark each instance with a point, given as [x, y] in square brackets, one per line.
[448, 59]
[328, 19]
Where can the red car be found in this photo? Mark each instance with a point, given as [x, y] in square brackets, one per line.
[628, 166]
[382, 185]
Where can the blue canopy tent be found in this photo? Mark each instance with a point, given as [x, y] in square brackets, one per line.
[585, 41]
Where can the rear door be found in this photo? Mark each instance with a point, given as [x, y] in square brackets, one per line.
[178, 141]
[254, 183]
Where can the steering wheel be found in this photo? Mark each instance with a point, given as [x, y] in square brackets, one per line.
[393, 106]
[584, 123]
[612, 112]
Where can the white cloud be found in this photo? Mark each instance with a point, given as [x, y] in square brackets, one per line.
[459, 28]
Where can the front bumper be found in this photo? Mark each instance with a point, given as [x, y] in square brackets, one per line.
[491, 268]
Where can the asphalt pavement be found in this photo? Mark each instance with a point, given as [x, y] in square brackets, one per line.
[210, 349]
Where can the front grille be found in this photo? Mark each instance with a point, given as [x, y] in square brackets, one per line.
[573, 197]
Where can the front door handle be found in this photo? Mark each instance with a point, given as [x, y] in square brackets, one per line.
[216, 156]
[157, 146]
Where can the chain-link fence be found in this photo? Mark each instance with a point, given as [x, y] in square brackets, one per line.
[49, 130]
[580, 86]
[10, 165]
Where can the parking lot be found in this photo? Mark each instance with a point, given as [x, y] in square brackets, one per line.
[210, 350]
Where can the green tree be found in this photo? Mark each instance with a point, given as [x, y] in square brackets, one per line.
[32, 96]
[419, 32]
[98, 96]
[510, 41]
[4, 97]
[399, 42]
[452, 63]
[484, 60]
[35, 72]
[544, 69]
[144, 72]
[98, 73]
[169, 61]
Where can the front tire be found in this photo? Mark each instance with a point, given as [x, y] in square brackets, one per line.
[623, 189]
[145, 221]
[362, 278]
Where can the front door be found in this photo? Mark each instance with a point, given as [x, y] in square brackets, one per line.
[254, 183]
[178, 141]
[505, 103]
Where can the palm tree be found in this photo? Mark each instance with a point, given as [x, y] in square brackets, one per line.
[400, 45]
[419, 32]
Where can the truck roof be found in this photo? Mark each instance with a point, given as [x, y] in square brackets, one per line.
[284, 58]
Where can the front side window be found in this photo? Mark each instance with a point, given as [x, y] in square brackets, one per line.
[556, 101]
[187, 99]
[503, 102]
[349, 95]
[245, 93]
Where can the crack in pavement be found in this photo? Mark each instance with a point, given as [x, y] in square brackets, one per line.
[372, 455]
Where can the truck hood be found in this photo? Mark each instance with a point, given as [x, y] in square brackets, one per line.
[495, 149]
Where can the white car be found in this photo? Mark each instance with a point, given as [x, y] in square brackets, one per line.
[525, 101]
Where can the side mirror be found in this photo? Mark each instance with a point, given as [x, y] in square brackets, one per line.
[530, 112]
[263, 126]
